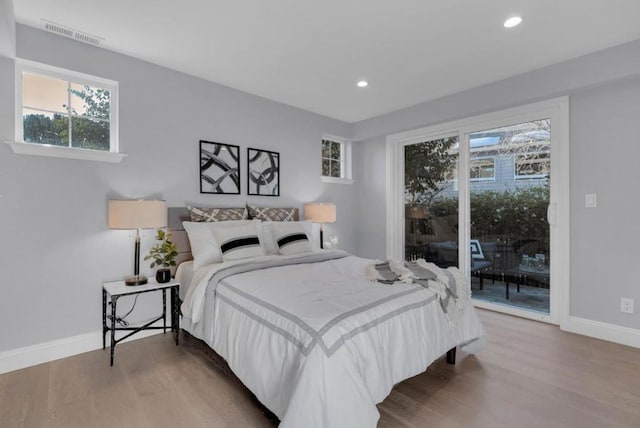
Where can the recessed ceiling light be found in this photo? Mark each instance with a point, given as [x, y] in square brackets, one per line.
[512, 22]
[362, 84]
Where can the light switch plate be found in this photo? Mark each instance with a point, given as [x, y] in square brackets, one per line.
[590, 200]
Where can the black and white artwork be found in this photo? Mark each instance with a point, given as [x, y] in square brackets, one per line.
[263, 172]
[219, 168]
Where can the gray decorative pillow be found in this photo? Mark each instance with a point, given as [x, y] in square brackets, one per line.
[217, 214]
[272, 214]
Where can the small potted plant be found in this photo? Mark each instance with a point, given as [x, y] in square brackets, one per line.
[163, 254]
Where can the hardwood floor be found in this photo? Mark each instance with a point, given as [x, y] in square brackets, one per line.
[530, 375]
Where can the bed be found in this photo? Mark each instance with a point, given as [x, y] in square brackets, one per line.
[315, 340]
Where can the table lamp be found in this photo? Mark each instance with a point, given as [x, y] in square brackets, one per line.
[137, 214]
[320, 213]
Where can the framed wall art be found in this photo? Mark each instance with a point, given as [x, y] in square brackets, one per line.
[263, 172]
[219, 168]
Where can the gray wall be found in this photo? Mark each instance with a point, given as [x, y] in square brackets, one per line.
[57, 249]
[604, 91]
[7, 29]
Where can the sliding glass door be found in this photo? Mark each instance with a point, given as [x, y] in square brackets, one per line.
[431, 201]
[509, 182]
[489, 195]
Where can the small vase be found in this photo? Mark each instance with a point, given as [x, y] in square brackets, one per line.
[163, 275]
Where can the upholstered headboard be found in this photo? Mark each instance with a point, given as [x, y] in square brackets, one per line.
[176, 215]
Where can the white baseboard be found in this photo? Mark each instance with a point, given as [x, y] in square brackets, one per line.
[600, 330]
[28, 356]
[50, 351]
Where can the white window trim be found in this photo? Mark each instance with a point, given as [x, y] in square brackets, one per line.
[473, 180]
[345, 157]
[517, 177]
[19, 146]
[558, 211]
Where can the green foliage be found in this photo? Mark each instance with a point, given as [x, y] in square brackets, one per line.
[331, 154]
[515, 214]
[87, 131]
[427, 166]
[512, 214]
[39, 128]
[164, 253]
[90, 130]
[97, 102]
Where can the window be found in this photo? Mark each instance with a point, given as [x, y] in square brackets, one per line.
[59, 111]
[336, 160]
[532, 165]
[482, 169]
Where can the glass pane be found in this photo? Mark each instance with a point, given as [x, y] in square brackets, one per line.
[482, 168]
[335, 169]
[44, 93]
[431, 201]
[533, 164]
[90, 101]
[326, 167]
[45, 128]
[89, 134]
[326, 149]
[335, 151]
[509, 229]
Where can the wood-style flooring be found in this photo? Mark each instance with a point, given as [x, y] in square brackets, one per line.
[530, 375]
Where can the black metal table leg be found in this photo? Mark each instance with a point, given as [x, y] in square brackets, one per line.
[175, 304]
[104, 319]
[164, 310]
[114, 300]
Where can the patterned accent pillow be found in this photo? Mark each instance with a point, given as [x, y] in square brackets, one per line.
[291, 240]
[272, 214]
[217, 214]
[239, 242]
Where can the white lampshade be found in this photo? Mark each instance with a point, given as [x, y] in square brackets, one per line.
[320, 213]
[137, 214]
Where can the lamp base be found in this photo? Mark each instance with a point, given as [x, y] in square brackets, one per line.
[136, 280]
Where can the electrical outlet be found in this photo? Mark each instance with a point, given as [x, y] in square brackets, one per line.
[626, 305]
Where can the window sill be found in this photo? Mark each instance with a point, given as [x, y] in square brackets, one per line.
[336, 180]
[64, 152]
[476, 180]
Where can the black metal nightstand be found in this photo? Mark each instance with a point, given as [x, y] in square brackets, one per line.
[112, 291]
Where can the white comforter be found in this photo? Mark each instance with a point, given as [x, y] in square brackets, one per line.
[316, 342]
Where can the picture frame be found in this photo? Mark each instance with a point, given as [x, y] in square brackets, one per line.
[219, 168]
[263, 172]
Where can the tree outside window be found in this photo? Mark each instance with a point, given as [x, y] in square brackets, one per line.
[332, 159]
[64, 113]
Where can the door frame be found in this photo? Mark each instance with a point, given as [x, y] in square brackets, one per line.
[557, 110]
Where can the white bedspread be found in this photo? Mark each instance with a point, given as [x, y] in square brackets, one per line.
[316, 342]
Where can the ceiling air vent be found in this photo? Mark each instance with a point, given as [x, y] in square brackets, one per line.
[63, 30]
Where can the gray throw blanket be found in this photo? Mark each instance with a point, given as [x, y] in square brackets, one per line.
[427, 275]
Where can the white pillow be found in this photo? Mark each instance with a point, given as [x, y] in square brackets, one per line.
[291, 239]
[269, 243]
[204, 246]
[239, 242]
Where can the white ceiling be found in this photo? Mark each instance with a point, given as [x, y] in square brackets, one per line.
[310, 53]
